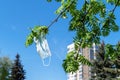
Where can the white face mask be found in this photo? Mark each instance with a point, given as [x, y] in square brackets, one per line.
[42, 47]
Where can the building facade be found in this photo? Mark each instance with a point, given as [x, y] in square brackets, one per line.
[84, 71]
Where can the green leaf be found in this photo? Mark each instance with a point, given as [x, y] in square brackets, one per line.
[115, 28]
[113, 2]
[49, 0]
[73, 61]
[35, 32]
[83, 60]
[29, 40]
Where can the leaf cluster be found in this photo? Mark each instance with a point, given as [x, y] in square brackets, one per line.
[113, 51]
[73, 61]
[113, 2]
[91, 21]
[35, 32]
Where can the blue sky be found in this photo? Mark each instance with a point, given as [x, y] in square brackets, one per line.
[17, 16]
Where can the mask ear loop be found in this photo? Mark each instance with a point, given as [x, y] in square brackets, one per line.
[48, 50]
[48, 62]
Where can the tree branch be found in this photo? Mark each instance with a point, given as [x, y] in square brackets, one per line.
[112, 70]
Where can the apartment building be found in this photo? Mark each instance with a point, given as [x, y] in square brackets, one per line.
[84, 71]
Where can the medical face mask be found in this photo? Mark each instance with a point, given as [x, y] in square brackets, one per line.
[42, 48]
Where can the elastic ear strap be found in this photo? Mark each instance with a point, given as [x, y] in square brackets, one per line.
[48, 62]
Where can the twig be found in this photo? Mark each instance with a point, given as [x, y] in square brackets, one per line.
[86, 12]
[115, 6]
[56, 19]
[112, 11]
[85, 6]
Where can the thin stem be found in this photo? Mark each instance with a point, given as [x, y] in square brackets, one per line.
[112, 11]
[85, 5]
[56, 19]
[115, 6]
[86, 15]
